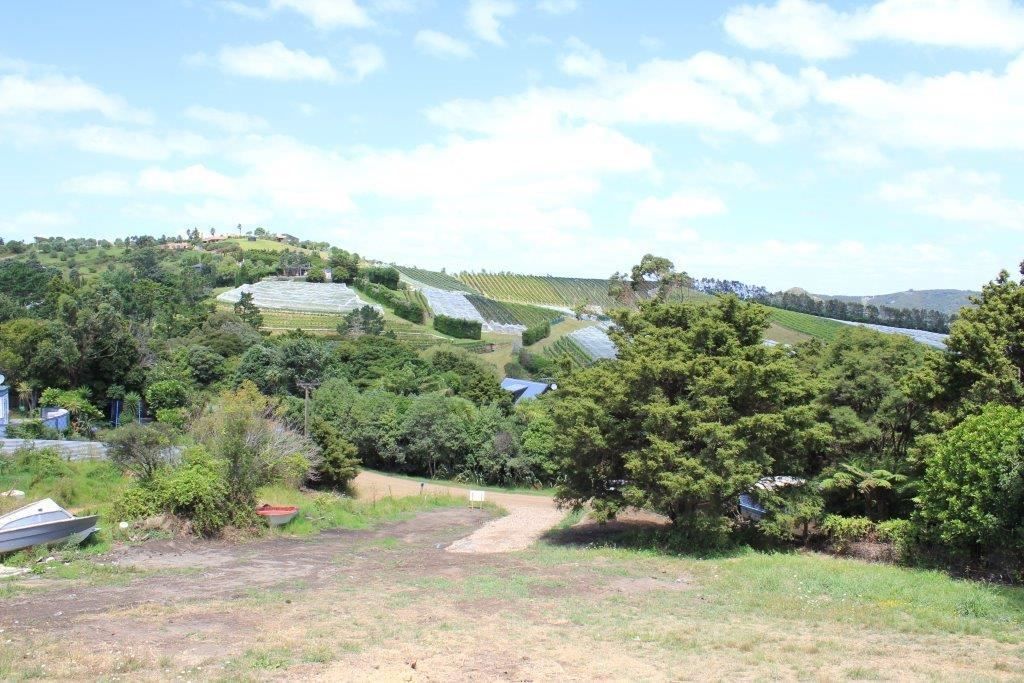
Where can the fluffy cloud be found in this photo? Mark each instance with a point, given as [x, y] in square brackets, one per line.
[441, 45]
[707, 91]
[139, 145]
[814, 30]
[192, 180]
[558, 6]
[230, 121]
[668, 216]
[962, 196]
[327, 14]
[104, 183]
[21, 94]
[958, 110]
[583, 61]
[483, 17]
[274, 61]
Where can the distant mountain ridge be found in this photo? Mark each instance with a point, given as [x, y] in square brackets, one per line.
[947, 301]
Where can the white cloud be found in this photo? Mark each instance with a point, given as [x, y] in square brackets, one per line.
[854, 154]
[274, 61]
[20, 94]
[957, 110]
[483, 17]
[558, 6]
[364, 60]
[669, 215]
[583, 61]
[707, 91]
[104, 183]
[139, 145]
[244, 10]
[441, 45]
[327, 14]
[192, 180]
[961, 196]
[814, 30]
[230, 121]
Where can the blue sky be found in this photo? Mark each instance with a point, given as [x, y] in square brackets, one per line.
[842, 147]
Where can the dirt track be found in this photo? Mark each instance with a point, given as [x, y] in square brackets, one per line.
[528, 516]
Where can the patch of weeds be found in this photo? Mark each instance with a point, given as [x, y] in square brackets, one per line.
[491, 585]
[320, 654]
[266, 658]
[860, 673]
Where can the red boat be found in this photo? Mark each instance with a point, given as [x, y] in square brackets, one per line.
[277, 515]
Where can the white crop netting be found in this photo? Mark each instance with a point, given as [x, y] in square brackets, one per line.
[456, 305]
[595, 342]
[290, 295]
[934, 339]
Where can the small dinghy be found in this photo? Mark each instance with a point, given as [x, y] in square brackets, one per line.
[42, 523]
[277, 515]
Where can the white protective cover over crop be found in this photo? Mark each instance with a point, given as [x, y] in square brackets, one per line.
[291, 295]
[595, 342]
[934, 339]
[456, 305]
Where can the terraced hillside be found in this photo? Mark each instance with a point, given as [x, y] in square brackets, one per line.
[512, 314]
[821, 328]
[433, 278]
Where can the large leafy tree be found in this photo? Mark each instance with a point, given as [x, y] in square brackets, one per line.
[693, 412]
[986, 344]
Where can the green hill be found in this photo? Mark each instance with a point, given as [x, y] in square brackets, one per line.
[946, 301]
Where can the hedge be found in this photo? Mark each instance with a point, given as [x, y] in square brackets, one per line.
[532, 335]
[408, 310]
[458, 328]
[382, 275]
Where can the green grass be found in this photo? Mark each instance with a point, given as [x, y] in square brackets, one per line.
[87, 487]
[321, 511]
[811, 325]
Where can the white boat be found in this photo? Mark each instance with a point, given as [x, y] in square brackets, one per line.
[43, 523]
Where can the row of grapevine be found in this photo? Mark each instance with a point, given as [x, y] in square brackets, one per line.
[564, 292]
[567, 348]
[431, 278]
[512, 314]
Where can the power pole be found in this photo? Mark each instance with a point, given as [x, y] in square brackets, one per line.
[306, 386]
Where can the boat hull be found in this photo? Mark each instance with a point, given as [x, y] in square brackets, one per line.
[46, 533]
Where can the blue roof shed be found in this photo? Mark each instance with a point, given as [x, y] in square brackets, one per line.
[524, 389]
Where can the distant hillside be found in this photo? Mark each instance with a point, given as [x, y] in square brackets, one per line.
[946, 301]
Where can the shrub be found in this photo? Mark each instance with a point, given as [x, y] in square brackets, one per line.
[174, 417]
[972, 498]
[42, 463]
[843, 531]
[316, 274]
[168, 393]
[532, 335]
[899, 532]
[382, 275]
[340, 457]
[140, 449]
[411, 311]
[198, 491]
[458, 328]
[136, 502]
[403, 308]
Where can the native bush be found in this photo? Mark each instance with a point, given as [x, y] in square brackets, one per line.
[458, 328]
[198, 491]
[168, 393]
[141, 449]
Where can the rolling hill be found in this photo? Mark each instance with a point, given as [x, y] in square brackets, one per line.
[946, 301]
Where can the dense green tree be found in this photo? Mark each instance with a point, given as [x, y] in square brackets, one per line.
[344, 265]
[247, 310]
[365, 320]
[986, 346]
[695, 411]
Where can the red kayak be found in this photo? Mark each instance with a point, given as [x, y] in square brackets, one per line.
[277, 515]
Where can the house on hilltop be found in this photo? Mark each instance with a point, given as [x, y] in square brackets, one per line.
[524, 389]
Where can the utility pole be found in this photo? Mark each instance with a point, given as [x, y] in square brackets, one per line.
[306, 386]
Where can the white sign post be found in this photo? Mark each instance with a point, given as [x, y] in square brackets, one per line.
[476, 498]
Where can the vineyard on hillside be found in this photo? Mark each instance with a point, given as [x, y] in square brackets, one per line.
[512, 314]
[567, 348]
[821, 328]
[564, 292]
[430, 278]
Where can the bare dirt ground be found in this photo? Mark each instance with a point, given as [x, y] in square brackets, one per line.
[528, 516]
[392, 604]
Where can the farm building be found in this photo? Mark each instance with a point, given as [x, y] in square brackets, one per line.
[523, 390]
[4, 407]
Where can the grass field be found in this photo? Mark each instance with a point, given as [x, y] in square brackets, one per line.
[810, 325]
